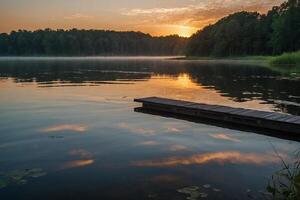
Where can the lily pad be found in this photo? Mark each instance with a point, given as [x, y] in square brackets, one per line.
[206, 186]
[20, 177]
[203, 195]
[193, 192]
[194, 195]
[216, 190]
[3, 183]
[40, 174]
[188, 190]
[21, 182]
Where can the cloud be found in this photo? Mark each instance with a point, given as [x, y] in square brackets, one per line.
[78, 16]
[135, 12]
[66, 127]
[198, 14]
[234, 157]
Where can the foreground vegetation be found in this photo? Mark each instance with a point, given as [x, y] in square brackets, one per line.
[285, 183]
[287, 59]
[250, 33]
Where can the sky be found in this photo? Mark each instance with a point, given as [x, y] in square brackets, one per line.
[157, 17]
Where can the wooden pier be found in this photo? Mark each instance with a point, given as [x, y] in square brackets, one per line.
[254, 118]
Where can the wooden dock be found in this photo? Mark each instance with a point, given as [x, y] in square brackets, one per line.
[254, 118]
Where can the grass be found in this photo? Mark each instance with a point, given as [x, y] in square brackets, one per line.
[237, 58]
[287, 59]
[285, 183]
[287, 64]
[292, 59]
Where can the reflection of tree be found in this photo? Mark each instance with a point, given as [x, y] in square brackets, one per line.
[239, 82]
[69, 71]
[285, 183]
[243, 83]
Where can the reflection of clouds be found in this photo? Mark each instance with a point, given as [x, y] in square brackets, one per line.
[175, 126]
[66, 127]
[173, 130]
[135, 129]
[165, 128]
[81, 153]
[86, 159]
[220, 157]
[165, 179]
[223, 136]
[149, 143]
[77, 163]
[177, 147]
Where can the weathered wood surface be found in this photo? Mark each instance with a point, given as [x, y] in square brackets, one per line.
[255, 118]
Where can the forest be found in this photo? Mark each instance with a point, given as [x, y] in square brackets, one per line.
[239, 34]
[76, 42]
[250, 33]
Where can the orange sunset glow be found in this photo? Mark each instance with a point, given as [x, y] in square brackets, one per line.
[150, 16]
[219, 157]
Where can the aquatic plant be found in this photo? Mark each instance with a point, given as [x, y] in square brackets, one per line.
[285, 183]
[196, 192]
[19, 177]
[193, 192]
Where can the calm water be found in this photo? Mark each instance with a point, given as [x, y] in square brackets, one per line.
[68, 129]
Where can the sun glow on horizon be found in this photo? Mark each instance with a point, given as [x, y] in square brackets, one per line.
[156, 18]
[186, 31]
[181, 30]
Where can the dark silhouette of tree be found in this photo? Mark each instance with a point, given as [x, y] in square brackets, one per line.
[250, 33]
[88, 43]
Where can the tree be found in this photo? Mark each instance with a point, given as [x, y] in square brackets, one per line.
[250, 33]
[76, 42]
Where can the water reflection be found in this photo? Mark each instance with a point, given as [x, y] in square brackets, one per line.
[81, 153]
[149, 143]
[122, 151]
[235, 82]
[222, 136]
[66, 127]
[177, 147]
[77, 163]
[234, 157]
[138, 130]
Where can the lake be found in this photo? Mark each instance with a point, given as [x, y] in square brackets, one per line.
[68, 129]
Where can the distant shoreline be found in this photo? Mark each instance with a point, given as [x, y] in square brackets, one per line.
[282, 61]
[88, 57]
[285, 60]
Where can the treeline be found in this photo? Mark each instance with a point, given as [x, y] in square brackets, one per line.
[87, 43]
[250, 33]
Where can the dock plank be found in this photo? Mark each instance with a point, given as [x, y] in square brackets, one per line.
[260, 119]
